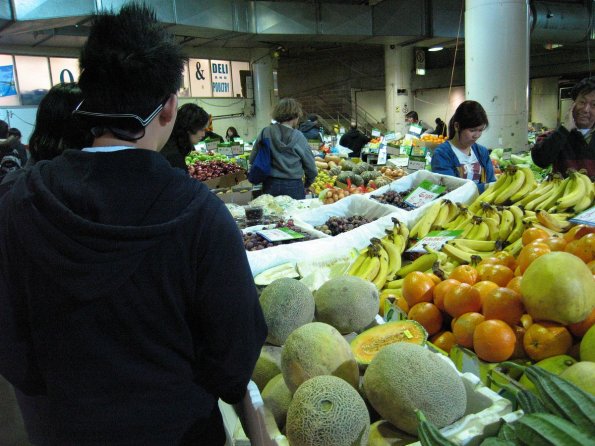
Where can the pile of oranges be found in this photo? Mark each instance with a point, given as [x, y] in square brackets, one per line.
[480, 306]
[436, 139]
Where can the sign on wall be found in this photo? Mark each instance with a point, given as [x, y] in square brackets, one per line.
[221, 78]
[200, 77]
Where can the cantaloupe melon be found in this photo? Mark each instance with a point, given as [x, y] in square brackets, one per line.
[317, 349]
[348, 303]
[326, 410]
[276, 397]
[267, 366]
[404, 377]
[286, 304]
[367, 344]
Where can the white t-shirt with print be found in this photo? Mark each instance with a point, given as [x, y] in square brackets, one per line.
[470, 163]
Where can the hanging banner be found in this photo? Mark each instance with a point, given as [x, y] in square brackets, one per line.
[200, 78]
[221, 78]
[7, 86]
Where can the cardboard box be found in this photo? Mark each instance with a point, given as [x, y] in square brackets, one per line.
[229, 180]
[229, 195]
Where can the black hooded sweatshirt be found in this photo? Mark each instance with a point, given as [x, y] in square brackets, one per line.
[126, 298]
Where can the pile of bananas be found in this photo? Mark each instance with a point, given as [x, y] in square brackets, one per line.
[554, 194]
[323, 179]
[380, 261]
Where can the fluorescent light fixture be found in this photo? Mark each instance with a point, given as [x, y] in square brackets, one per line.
[420, 71]
[436, 48]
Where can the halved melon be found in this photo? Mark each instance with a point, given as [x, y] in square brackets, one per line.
[367, 344]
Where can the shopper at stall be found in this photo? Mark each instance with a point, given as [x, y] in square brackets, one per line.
[572, 145]
[209, 133]
[10, 156]
[440, 127]
[461, 156]
[354, 140]
[413, 118]
[311, 128]
[291, 156]
[16, 134]
[230, 134]
[189, 129]
[117, 302]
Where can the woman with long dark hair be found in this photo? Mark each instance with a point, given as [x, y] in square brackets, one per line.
[461, 156]
[188, 130]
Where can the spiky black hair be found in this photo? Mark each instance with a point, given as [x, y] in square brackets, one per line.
[129, 63]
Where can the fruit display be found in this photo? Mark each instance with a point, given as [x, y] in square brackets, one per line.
[254, 241]
[205, 170]
[267, 366]
[338, 225]
[195, 156]
[434, 140]
[392, 173]
[277, 397]
[394, 198]
[323, 180]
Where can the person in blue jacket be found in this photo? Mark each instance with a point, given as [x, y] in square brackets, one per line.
[461, 156]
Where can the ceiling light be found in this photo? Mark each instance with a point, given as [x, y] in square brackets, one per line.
[436, 48]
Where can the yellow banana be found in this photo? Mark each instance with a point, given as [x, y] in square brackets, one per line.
[549, 221]
[493, 213]
[359, 260]
[585, 203]
[461, 255]
[441, 218]
[519, 226]
[393, 249]
[453, 211]
[554, 195]
[483, 231]
[380, 279]
[515, 247]
[394, 284]
[493, 227]
[422, 263]
[540, 191]
[489, 194]
[425, 223]
[517, 181]
[506, 224]
[475, 245]
[575, 190]
[527, 187]
[370, 268]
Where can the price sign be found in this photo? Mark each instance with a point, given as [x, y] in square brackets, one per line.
[416, 163]
[279, 234]
[376, 133]
[585, 218]
[435, 240]
[390, 137]
[415, 130]
[381, 155]
[225, 150]
[237, 149]
[424, 193]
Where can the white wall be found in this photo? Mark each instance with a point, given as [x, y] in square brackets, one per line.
[544, 101]
[436, 103]
[374, 103]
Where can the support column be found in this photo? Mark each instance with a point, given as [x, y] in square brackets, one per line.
[398, 63]
[264, 94]
[497, 68]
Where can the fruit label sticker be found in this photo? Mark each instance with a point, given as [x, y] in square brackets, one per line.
[279, 234]
[424, 193]
[434, 240]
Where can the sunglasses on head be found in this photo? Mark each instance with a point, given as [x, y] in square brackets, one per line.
[125, 126]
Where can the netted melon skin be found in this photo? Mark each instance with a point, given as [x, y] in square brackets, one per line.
[326, 410]
[404, 377]
[277, 397]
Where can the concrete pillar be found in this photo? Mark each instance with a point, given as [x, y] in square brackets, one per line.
[264, 94]
[497, 68]
[398, 64]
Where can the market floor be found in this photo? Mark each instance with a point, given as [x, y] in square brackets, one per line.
[12, 429]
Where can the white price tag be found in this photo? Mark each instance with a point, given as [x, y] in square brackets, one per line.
[225, 150]
[414, 164]
[376, 133]
[435, 240]
[381, 155]
[390, 137]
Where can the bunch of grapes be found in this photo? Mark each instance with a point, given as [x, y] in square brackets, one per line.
[205, 170]
[337, 225]
[394, 198]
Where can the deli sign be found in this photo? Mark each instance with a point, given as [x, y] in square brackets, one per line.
[221, 78]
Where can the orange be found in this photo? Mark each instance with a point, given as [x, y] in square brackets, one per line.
[440, 291]
[545, 339]
[498, 274]
[588, 244]
[418, 287]
[578, 231]
[494, 341]
[530, 253]
[531, 234]
[580, 328]
[444, 340]
[464, 274]
[435, 278]
[503, 304]
[515, 284]
[462, 299]
[484, 287]
[506, 259]
[555, 243]
[428, 315]
[578, 249]
[464, 327]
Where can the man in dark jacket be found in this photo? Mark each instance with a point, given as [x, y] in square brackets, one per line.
[572, 145]
[126, 294]
[310, 128]
[354, 140]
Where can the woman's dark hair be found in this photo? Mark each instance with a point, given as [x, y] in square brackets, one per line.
[55, 127]
[585, 86]
[130, 63]
[469, 114]
[190, 119]
[234, 134]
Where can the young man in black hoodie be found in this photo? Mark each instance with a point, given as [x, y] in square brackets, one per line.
[126, 294]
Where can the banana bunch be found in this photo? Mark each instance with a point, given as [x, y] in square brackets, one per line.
[436, 217]
[514, 184]
[578, 194]
[470, 251]
[379, 262]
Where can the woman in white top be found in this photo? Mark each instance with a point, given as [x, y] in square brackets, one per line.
[461, 156]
